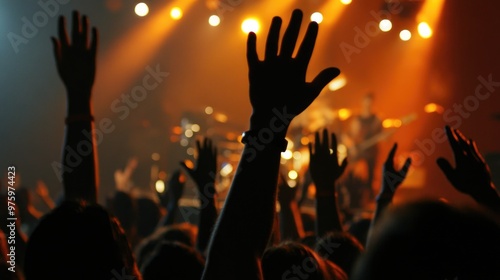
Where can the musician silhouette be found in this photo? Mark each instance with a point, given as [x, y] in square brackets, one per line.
[359, 139]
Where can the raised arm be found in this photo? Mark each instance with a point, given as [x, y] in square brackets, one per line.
[278, 92]
[170, 198]
[471, 174]
[391, 179]
[290, 221]
[75, 62]
[204, 174]
[325, 170]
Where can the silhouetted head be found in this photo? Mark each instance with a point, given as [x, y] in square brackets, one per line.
[341, 248]
[148, 216]
[173, 261]
[124, 209]
[79, 241]
[296, 261]
[367, 104]
[432, 240]
[184, 233]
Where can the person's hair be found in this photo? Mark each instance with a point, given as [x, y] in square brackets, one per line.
[294, 259]
[341, 248]
[432, 240]
[173, 261]
[79, 241]
[184, 233]
[148, 216]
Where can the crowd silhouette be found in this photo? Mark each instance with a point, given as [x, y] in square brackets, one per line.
[140, 238]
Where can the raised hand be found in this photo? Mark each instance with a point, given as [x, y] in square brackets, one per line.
[76, 60]
[324, 165]
[175, 187]
[278, 82]
[205, 167]
[392, 178]
[325, 170]
[471, 174]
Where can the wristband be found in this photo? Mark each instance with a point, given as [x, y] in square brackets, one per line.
[281, 144]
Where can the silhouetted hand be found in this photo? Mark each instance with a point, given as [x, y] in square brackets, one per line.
[324, 165]
[471, 174]
[175, 188]
[392, 178]
[76, 60]
[205, 167]
[278, 82]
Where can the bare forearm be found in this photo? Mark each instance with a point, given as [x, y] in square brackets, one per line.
[327, 215]
[246, 221]
[291, 227]
[79, 155]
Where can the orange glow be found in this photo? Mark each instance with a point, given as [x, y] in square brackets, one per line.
[143, 41]
[304, 140]
[344, 114]
[430, 13]
[177, 130]
[433, 108]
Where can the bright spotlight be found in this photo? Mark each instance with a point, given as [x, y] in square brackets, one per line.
[424, 30]
[293, 174]
[214, 20]
[250, 25]
[405, 35]
[141, 9]
[346, 2]
[209, 110]
[287, 154]
[317, 17]
[176, 13]
[385, 25]
[160, 186]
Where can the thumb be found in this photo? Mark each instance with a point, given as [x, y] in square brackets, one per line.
[323, 78]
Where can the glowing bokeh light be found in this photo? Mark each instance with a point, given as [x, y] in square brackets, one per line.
[160, 186]
[346, 2]
[424, 30]
[176, 13]
[317, 17]
[250, 25]
[292, 174]
[214, 20]
[385, 25]
[141, 9]
[405, 35]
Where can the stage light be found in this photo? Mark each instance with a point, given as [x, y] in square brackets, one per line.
[424, 30]
[297, 155]
[188, 133]
[344, 114]
[155, 156]
[287, 154]
[176, 13]
[195, 127]
[190, 151]
[209, 110]
[339, 82]
[346, 2]
[220, 117]
[214, 20]
[405, 35]
[184, 142]
[250, 25]
[385, 25]
[141, 9]
[317, 17]
[292, 174]
[160, 186]
[226, 170]
[304, 140]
